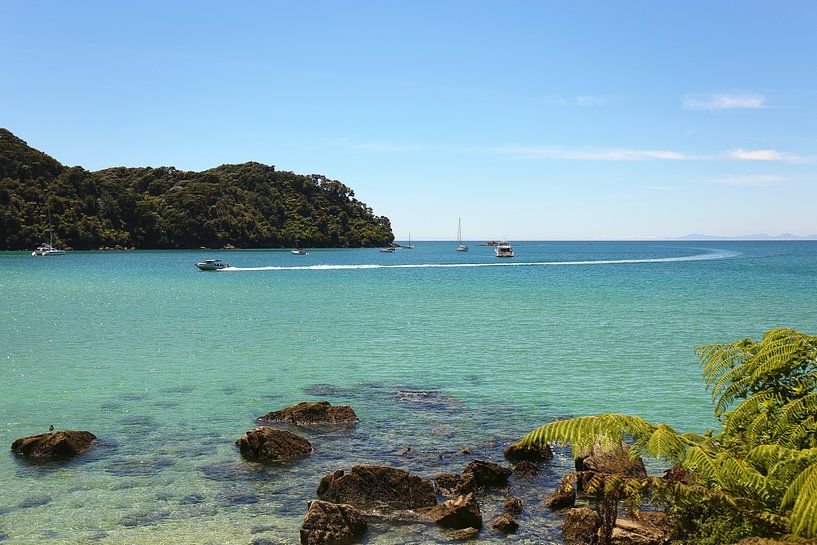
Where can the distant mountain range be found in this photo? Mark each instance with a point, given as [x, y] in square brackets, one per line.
[758, 236]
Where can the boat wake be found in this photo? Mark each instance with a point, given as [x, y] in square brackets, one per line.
[708, 256]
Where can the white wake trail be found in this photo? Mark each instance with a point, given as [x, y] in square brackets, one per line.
[720, 254]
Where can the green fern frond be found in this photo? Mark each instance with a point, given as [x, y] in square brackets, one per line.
[802, 494]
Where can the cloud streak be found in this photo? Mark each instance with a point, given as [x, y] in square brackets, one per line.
[580, 100]
[724, 101]
[752, 180]
[589, 154]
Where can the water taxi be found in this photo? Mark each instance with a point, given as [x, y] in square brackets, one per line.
[212, 265]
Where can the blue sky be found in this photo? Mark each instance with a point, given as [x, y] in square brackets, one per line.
[530, 120]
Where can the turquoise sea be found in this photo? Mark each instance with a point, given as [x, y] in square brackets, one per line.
[435, 350]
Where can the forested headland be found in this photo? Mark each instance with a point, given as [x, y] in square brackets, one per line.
[248, 205]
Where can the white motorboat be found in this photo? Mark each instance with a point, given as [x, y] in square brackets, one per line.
[212, 265]
[460, 246]
[46, 249]
[504, 249]
[299, 251]
[387, 249]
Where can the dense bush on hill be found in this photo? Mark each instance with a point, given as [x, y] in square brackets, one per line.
[248, 205]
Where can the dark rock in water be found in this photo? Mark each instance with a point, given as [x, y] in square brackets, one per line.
[526, 469]
[428, 399]
[450, 484]
[264, 541]
[404, 452]
[322, 390]
[613, 463]
[563, 497]
[464, 535]
[486, 474]
[460, 512]
[581, 526]
[34, 501]
[192, 499]
[331, 524]
[271, 445]
[240, 498]
[515, 452]
[261, 529]
[57, 444]
[308, 413]
[505, 524]
[137, 466]
[382, 486]
[512, 505]
[143, 519]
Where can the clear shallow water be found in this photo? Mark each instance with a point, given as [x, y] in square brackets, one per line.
[169, 365]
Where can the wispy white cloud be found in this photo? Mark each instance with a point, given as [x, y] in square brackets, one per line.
[589, 154]
[753, 180]
[767, 155]
[724, 101]
[580, 100]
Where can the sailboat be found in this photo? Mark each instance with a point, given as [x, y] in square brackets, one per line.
[47, 248]
[297, 250]
[408, 246]
[460, 246]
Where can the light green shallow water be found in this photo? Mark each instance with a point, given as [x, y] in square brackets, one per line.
[168, 366]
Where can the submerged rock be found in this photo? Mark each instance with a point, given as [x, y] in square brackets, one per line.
[526, 469]
[309, 413]
[516, 452]
[505, 524]
[271, 445]
[381, 486]
[57, 444]
[464, 535]
[460, 512]
[331, 524]
[512, 505]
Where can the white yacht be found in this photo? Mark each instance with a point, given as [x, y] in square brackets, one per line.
[212, 265]
[460, 246]
[408, 246]
[47, 249]
[504, 249]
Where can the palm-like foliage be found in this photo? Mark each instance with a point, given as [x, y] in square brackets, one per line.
[763, 463]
